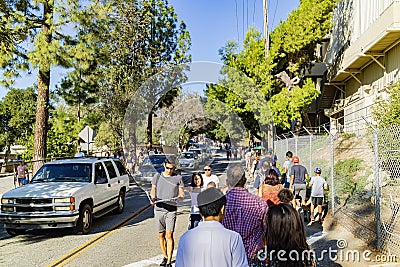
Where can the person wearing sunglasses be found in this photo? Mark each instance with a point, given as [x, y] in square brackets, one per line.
[166, 188]
[209, 177]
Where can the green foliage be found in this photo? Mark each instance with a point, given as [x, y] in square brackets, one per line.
[107, 137]
[63, 132]
[345, 173]
[292, 47]
[17, 116]
[288, 105]
[386, 112]
[144, 37]
[293, 41]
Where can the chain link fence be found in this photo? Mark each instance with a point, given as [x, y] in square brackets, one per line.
[362, 170]
[389, 187]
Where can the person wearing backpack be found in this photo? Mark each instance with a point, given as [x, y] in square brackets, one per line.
[286, 169]
[318, 185]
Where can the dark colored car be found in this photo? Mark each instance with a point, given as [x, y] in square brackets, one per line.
[153, 164]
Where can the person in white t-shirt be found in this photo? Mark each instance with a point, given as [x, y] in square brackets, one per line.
[21, 174]
[194, 189]
[209, 177]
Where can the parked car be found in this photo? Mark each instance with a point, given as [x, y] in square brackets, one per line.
[153, 164]
[66, 193]
[200, 152]
[189, 160]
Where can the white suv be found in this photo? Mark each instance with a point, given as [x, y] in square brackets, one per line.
[66, 193]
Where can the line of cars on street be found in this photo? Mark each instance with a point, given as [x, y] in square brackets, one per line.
[190, 160]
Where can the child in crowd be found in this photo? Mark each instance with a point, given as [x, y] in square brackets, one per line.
[286, 196]
[318, 185]
[211, 184]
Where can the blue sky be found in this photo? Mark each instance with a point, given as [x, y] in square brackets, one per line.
[211, 25]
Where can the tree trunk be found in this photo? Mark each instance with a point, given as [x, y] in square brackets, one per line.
[42, 106]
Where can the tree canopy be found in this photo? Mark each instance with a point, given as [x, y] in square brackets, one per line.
[292, 47]
[17, 117]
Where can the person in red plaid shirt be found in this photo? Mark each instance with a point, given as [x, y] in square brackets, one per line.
[245, 213]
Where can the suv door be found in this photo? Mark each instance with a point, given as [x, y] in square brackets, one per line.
[102, 192]
[114, 178]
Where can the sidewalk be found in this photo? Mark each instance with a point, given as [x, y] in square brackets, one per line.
[6, 182]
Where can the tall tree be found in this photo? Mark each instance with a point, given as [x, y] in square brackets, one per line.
[144, 38]
[35, 37]
[292, 47]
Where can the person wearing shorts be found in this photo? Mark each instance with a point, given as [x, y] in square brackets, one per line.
[318, 185]
[166, 188]
[298, 178]
[22, 174]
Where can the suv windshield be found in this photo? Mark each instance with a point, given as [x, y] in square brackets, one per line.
[68, 172]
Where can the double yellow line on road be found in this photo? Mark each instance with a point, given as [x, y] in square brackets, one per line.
[90, 243]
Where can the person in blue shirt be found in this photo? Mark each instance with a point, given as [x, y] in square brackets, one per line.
[79, 153]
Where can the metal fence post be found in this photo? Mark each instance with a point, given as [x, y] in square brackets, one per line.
[332, 142]
[287, 143]
[310, 169]
[377, 185]
[295, 143]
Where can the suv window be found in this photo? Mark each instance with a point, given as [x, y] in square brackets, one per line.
[100, 172]
[110, 169]
[120, 167]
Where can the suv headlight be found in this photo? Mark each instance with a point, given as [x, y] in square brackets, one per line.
[65, 204]
[64, 200]
[7, 201]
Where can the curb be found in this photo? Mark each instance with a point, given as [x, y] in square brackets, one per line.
[6, 174]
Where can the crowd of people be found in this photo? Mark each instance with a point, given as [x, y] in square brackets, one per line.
[236, 227]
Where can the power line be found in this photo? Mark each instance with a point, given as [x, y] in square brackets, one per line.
[237, 21]
[243, 20]
[273, 18]
[254, 10]
[247, 14]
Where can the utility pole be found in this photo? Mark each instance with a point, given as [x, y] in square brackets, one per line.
[266, 35]
[270, 126]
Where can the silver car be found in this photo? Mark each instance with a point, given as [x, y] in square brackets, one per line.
[189, 160]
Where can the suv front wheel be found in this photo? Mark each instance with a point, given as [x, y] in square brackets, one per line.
[85, 219]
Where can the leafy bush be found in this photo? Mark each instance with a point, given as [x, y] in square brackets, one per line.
[345, 177]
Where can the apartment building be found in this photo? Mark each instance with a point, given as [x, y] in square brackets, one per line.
[362, 59]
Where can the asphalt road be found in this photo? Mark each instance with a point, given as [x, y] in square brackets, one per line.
[134, 241]
[130, 239]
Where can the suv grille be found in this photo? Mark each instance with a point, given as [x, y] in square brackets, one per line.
[33, 209]
[32, 205]
[28, 201]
